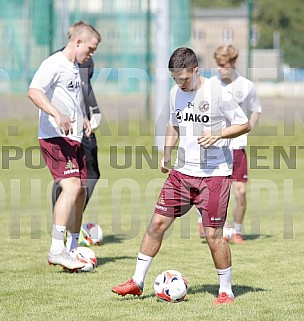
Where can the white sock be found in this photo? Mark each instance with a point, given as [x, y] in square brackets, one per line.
[142, 265]
[57, 245]
[237, 228]
[68, 241]
[225, 277]
[72, 241]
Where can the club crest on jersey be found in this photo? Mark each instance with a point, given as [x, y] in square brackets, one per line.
[203, 106]
[71, 84]
[239, 94]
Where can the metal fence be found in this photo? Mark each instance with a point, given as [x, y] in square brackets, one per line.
[32, 29]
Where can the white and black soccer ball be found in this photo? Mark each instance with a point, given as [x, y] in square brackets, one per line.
[86, 256]
[90, 234]
[171, 286]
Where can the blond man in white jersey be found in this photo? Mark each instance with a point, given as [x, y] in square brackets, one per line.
[203, 121]
[244, 92]
[56, 91]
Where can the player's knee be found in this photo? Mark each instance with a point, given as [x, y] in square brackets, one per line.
[72, 186]
[76, 190]
[242, 192]
[213, 236]
[160, 223]
[216, 244]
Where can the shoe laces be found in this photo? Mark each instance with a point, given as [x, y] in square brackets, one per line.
[67, 256]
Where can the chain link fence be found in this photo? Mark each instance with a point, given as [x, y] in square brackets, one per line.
[32, 29]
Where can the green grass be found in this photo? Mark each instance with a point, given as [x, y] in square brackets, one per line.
[267, 269]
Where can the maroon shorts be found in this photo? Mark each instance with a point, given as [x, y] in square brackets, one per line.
[240, 171]
[64, 157]
[210, 195]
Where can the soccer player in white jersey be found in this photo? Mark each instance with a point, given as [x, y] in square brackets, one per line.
[244, 92]
[204, 122]
[89, 144]
[56, 91]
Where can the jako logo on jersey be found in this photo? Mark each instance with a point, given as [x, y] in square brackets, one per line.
[71, 84]
[196, 118]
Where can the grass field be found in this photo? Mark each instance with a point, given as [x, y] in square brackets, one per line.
[267, 277]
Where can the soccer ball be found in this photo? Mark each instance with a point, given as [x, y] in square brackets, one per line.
[85, 255]
[227, 232]
[90, 233]
[171, 286]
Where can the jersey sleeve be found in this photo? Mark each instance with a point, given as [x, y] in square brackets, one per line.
[232, 111]
[45, 77]
[172, 113]
[254, 102]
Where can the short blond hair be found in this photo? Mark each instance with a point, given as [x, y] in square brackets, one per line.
[228, 52]
[80, 28]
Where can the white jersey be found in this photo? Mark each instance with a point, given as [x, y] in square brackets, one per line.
[244, 92]
[59, 79]
[196, 111]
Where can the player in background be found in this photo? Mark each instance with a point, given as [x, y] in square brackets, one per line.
[89, 144]
[244, 92]
[56, 91]
[203, 122]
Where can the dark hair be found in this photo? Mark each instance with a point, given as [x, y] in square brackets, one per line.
[182, 58]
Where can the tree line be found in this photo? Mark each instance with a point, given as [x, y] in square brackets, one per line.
[279, 23]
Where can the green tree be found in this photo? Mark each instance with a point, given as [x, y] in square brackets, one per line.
[287, 18]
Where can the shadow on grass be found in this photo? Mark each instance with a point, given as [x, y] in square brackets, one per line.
[134, 297]
[104, 260]
[252, 237]
[113, 239]
[144, 297]
[238, 290]
[248, 237]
